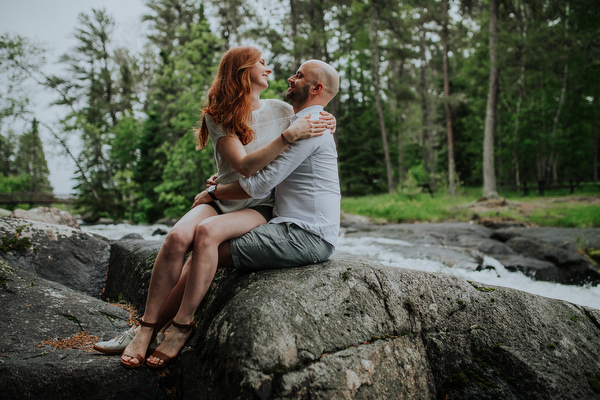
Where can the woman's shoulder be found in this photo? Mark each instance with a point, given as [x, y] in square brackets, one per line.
[213, 127]
[280, 106]
[209, 119]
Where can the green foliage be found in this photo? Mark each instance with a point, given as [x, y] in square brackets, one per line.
[594, 254]
[18, 56]
[133, 112]
[23, 166]
[5, 271]
[184, 175]
[16, 243]
[31, 161]
[570, 216]
[181, 81]
[402, 208]
[595, 382]
[15, 183]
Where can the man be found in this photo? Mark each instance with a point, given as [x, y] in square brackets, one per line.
[306, 219]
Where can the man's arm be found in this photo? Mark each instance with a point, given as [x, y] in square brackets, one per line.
[260, 184]
[225, 191]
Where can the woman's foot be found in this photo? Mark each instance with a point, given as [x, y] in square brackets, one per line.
[134, 353]
[172, 345]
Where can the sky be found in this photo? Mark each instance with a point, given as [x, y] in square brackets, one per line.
[51, 23]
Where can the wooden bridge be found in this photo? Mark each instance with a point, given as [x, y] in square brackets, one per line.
[35, 198]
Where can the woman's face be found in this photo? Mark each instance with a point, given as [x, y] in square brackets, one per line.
[259, 74]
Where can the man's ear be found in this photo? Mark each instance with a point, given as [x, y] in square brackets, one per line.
[316, 88]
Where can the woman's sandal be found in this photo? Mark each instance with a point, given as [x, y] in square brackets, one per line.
[166, 360]
[139, 357]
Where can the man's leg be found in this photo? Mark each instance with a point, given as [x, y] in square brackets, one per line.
[270, 246]
[225, 260]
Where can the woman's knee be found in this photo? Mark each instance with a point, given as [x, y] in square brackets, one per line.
[207, 232]
[177, 241]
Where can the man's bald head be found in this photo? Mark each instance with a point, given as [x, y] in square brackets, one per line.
[320, 71]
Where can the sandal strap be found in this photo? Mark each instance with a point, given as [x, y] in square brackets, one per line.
[184, 326]
[147, 324]
[161, 356]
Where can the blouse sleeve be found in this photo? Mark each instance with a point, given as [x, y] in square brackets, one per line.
[215, 130]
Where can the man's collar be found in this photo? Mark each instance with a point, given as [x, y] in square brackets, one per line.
[315, 109]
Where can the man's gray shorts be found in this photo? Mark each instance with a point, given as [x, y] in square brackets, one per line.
[278, 246]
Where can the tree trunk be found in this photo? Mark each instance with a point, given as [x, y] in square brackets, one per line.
[294, 28]
[489, 172]
[596, 136]
[524, 27]
[515, 154]
[317, 35]
[554, 155]
[428, 156]
[401, 158]
[451, 167]
[386, 151]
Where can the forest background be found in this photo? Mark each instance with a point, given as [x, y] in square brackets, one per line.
[440, 92]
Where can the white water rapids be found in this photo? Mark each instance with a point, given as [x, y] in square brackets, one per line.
[381, 250]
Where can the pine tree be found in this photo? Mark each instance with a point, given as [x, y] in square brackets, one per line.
[31, 160]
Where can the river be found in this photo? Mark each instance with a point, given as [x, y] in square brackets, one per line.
[382, 250]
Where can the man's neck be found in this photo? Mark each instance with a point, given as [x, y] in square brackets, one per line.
[298, 108]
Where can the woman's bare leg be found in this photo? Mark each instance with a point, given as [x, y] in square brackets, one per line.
[210, 233]
[165, 275]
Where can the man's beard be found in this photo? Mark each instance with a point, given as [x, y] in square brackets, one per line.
[298, 96]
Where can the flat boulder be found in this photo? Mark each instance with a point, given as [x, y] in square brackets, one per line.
[56, 252]
[48, 331]
[351, 329]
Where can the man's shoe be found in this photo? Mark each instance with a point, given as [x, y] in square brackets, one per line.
[116, 345]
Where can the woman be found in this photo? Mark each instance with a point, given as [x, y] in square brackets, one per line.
[232, 113]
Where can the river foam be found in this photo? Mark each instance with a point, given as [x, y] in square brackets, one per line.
[382, 250]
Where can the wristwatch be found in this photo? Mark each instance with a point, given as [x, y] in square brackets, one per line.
[211, 192]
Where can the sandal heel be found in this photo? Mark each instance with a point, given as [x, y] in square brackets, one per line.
[140, 357]
[166, 360]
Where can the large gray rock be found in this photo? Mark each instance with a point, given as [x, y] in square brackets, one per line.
[49, 215]
[344, 329]
[563, 248]
[571, 239]
[130, 269]
[59, 253]
[36, 311]
[348, 329]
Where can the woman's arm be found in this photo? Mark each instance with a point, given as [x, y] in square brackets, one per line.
[247, 164]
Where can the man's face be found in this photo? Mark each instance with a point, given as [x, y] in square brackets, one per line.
[300, 83]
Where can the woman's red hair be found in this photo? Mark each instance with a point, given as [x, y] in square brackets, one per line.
[228, 99]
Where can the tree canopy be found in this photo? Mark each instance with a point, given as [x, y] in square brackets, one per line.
[438, 92]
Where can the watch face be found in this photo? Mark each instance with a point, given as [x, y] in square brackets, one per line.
[211, 188]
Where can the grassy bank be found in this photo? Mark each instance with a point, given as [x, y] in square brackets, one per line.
[575, 211]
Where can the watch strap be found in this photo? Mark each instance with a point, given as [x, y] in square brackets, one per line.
[211, 192]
